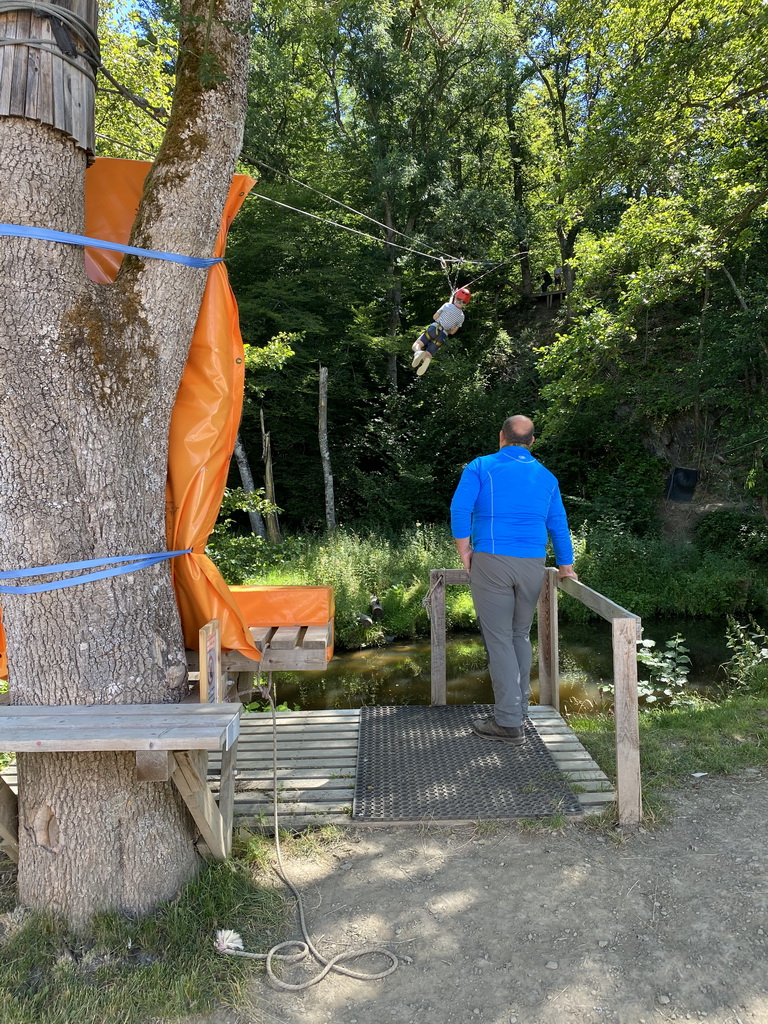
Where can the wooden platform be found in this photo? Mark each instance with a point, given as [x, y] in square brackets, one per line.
[317, 761]
[283, 649]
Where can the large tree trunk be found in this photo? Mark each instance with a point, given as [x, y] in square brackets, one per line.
[89, 378]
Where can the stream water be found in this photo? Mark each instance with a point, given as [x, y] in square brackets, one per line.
[400, 672]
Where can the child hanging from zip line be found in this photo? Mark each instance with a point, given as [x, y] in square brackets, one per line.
[447, 320]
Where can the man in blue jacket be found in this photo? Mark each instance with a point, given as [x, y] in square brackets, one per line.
[501, 513]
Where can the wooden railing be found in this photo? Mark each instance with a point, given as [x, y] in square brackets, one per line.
[626, 631]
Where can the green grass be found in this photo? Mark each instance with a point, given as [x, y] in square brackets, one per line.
[716, 738]
[124, 971]
[157, 970]
[394, 568]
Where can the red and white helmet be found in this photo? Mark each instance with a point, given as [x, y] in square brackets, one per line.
[464, 294]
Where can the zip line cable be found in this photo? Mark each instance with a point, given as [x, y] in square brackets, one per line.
[64, 23]
[345, 227]
[444, 261]
[290, 177]
[382, 241]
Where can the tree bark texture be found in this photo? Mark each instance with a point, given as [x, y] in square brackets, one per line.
[325, 455]
[89, 377]
[272, 522]
[246, 476]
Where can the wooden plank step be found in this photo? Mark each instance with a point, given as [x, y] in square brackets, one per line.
[261, 635]
[310, 716]
[330, 728]
[295, 807]
[304, 742]
[316, 638]
[265, 773]
[600, 799]
[285, 638]
[301, 782]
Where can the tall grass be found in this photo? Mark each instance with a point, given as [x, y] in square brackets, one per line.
[394, 568]
[715, 737]
[649, 576]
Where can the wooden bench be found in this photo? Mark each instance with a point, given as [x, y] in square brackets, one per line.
[170, 741]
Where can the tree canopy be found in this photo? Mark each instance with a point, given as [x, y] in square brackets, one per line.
[624, 142]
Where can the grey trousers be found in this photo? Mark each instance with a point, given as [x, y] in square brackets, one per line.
[505, 590]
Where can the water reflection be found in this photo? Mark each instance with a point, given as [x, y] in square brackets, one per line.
[400, 673]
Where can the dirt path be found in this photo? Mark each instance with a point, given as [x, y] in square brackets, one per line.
[499, 926]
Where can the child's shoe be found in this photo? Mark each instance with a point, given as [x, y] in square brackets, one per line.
[420, 354]
[424, 363]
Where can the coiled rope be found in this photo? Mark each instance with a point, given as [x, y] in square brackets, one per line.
[230, 943]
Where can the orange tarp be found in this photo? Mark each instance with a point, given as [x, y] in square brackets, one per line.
[287, 606]
[206, 415]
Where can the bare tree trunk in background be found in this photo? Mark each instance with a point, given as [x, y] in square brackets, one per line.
[518, 155]
[273, 524]
[241, 457]
[325, 455]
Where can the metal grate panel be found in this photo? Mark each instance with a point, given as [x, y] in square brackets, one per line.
[418, 763]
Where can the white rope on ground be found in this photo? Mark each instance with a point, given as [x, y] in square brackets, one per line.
[230, 943]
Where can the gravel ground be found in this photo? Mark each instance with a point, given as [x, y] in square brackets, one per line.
[497, 925]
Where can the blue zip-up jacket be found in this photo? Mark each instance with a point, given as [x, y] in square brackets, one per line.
[507, 503]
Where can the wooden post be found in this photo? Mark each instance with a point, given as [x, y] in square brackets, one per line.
[549, 654]
[626, 718]
[9, 821]
[437, 630]
[191, 778]
[227, 793]
[211, 686]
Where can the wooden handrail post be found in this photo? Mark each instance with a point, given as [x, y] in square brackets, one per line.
[437, 629]
[626, 719]
[549, 669]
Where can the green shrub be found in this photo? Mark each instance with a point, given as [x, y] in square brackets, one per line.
[735, 532]
[394, 568]
[654, 577]
[747, 667]
[664, 675]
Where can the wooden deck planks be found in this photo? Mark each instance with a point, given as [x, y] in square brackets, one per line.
[317, 763]
[316, 766]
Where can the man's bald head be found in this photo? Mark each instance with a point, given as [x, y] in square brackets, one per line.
[517, 430]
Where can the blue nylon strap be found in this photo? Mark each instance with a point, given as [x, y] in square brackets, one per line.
[134, 562]
[20, 231]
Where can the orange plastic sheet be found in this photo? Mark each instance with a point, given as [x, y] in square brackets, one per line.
[287, 606]
[207, 412]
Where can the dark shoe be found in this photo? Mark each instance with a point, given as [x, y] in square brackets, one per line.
[490, 729]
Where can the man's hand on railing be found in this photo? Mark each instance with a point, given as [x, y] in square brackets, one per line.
[566, 572]
[464, 547]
